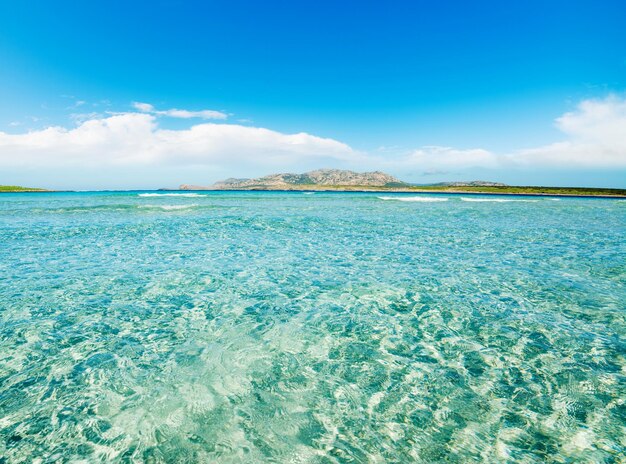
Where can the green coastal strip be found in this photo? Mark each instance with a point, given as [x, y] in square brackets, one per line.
[16, 188]
[578, 191]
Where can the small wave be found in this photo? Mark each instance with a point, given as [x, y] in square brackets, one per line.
[189, 195]
[496, 200]
[83, 209]
[424, 199]
[309, 193]
[168, 207]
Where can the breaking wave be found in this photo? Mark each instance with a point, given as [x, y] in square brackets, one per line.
[497, 200]
[412, 199]
[169, 207]
[189, 195]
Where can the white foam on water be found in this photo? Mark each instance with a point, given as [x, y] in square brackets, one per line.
[190, 195]
[168, 207]
[424, 199]
[496, 200]
[309, 193]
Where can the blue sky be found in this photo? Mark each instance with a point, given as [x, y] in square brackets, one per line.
[372, 85]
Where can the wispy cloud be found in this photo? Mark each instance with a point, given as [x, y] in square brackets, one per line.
[79, 118]
[178, 113]
[144, 107]
[436, 158]
[435, 172]
[75, 101]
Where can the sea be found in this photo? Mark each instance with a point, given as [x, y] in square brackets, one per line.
[311, 327]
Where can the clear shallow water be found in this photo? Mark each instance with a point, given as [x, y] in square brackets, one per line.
[282, 327]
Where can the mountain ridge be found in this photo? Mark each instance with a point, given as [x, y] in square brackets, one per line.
[318, 177]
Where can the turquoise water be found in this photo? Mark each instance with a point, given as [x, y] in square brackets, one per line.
[321, 328]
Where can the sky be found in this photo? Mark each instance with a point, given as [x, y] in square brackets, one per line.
[123, 95]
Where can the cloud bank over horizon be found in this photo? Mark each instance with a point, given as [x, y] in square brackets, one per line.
[593, 138]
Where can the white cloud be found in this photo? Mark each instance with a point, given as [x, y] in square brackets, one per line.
[176, 113]
[204, 114]
[135, 139]
[144, 107]
[596, 138]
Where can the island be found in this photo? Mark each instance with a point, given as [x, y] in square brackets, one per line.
[377, 181]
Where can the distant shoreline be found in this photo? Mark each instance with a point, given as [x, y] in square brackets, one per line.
[18, 189]
[518, 191]
[33, 191]
[361, 190]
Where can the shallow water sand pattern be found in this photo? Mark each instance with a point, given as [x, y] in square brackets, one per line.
[282, 327]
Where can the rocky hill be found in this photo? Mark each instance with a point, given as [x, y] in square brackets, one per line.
[320, 177]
